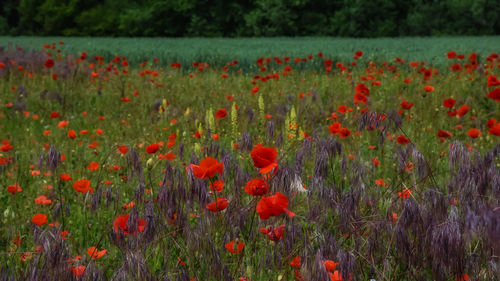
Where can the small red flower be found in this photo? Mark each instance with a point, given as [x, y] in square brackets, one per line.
[39, 219]
[120, 224]
[444, 134]
[493, 81]
[14, 188]
[221, 113]
[474, 133]
[218, 205]
[123, 149]
[65, 177]
[235, 247]
[152, 148]
[49, 63]
[463, 110]
[344, 133]
[429, 89]
[405, 194]
[295, 263]
[335, 128]
[82, 186]
[95, 254]
[449, 103]
[72, 134]
[77, 270]
[217, 185]
[207, 168]
[406, 104]
[273, 205]
[330, 265]
[256, 187]
[403, 140]
[274, 234]
[264, 158]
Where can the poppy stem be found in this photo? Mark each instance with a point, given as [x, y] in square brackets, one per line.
[251, 222]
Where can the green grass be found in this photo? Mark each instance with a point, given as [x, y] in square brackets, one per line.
[246, 50]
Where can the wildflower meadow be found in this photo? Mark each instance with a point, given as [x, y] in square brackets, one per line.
[302, 166]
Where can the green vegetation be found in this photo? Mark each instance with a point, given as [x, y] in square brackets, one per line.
[389, 170]
[248, 18]
[218, 52]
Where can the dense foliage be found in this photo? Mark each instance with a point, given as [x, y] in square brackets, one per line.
[229, 18]
[357, 170]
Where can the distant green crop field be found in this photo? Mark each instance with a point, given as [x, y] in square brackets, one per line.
[218, 51]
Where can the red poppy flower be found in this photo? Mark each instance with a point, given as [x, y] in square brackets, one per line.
[492, 81]
[65, 177]
[197, 134]
[217, 185]
[495, 130]
[72, 134]
[295, 263]
[444, 134]
[152, 148]
[6, 147]
[380, 182]
[274, 234]
[273, 205]
[49, 63]
[14, 188]
[330, 265]
[362, 89]
[406, 104]
[335, 128]
[428, 89]
[93, 166]
[405, 194]
[42, 200]
[463, 110]
[344, 133]
[360, 98]
[451, 55]
[403, 140]
[82, 186]
[336, 276]
[207, 168]
[235, 247]
[491, 122]
[449, 103]
[474, 133]
[95, 254]
[120, 224]
[39, 219]
[221, 113]
[264, 158]
[218, 205]
[168, 156]
[62, 124]
[123, 149]
[77, 270]
[494, 95]
[256, 187]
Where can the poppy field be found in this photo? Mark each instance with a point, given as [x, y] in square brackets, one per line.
[293, 166]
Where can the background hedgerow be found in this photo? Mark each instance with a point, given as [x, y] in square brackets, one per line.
[384, 170]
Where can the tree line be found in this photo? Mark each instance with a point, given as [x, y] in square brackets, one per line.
[247, 18]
